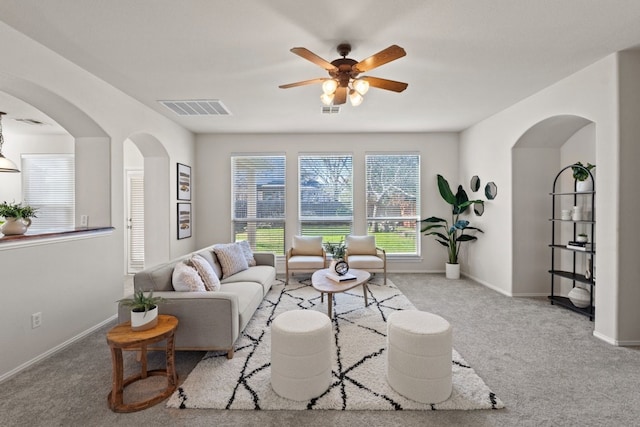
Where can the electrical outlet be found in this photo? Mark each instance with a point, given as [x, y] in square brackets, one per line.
[84, 220]
[36, 320]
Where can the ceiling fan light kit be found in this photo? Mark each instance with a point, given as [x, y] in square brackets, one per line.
[344, 72]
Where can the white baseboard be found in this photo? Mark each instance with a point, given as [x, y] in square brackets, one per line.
[488, 285]
[55, 349]
[619, 343]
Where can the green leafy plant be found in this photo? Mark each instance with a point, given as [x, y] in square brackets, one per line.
[580, 171]
[451, 234]
[17, 210]
[141, 302]
[337, 249]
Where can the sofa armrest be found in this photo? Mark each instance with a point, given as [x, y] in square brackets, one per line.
[206, 319]
[265, 258]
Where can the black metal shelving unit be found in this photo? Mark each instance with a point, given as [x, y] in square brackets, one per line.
[573, 276]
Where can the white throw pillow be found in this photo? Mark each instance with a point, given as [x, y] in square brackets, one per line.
[205, 270]
[231, 258]
[307, 245]
[248, 253]
[186, 279]
[361, 245]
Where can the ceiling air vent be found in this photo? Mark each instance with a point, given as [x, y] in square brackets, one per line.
[30, 122]
[331, 109]
[197, 107]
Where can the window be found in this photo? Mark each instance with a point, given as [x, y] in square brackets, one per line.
[325, 195]
[393, 201]
[48, 184]
[258, 201]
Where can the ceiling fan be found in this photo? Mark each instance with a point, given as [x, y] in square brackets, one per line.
[344, 73]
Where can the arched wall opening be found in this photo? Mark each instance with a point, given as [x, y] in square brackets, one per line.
[91, 147]
[157, 225]
[537, 157]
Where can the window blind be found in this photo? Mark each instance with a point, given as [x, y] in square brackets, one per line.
[325, 195]
[258, 201]
[393, 201]
[135, 221]
[48, 184]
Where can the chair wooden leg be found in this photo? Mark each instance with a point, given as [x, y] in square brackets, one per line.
[230, 354]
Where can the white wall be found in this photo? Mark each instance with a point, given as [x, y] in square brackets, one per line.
[592, 94]
[439, 154]
[75, 284]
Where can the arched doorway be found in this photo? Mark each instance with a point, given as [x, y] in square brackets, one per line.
[157, 225]
[536, 158]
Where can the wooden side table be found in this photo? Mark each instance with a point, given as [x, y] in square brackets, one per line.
[121, 337]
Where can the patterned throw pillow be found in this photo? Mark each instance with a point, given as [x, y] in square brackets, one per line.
[231, 258]
[248, 253]
[205, 270]
[186, 279]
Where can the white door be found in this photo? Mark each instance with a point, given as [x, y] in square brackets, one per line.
[135, 221]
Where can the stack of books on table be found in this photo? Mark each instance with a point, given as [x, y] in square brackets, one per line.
[580, 246]
[344, 278]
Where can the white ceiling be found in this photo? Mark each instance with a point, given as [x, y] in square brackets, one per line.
[466, 59]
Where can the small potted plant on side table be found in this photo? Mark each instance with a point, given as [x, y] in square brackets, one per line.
[144, 310]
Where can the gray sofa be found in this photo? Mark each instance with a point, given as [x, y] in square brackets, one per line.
[208, 320]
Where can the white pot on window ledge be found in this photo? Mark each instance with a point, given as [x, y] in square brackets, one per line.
[15, 226]
[452, 271]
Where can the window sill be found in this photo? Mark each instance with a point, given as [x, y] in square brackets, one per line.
[44, 237]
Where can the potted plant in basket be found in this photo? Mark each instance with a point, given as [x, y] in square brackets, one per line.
[581, 174]
[337, 251]
[451, 234]
[17, 216]
[144, 310]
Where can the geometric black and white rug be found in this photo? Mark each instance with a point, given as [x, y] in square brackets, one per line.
[358, 380]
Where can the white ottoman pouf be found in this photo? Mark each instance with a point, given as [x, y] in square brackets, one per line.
[301, 344]
[419, 355]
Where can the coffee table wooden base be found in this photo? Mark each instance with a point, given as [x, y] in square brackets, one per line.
[325, 285]
[122, 337]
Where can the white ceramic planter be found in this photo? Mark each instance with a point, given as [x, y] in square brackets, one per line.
[583, 186]
[141, 321]
[452, 271]
[15, 226]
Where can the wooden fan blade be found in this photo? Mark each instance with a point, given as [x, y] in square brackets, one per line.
[386, 84]
[304, 83]
[310, 56]
[340, 96]
[389, 54]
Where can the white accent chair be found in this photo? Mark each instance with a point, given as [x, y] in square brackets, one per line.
[306, 255]
[363, 254]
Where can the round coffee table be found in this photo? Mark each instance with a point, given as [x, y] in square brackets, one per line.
[325, 285]
[121, 337]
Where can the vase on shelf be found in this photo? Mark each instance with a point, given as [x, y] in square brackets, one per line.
[584, 186]
[580, 297]
[15, 226]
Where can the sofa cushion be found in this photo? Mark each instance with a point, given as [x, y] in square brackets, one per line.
[249, 298]
[231, 258]
[263, 274]
[248, 253]
[361, 245]
[208, 254]
[205, 270]
[186, 279]
[307, 245]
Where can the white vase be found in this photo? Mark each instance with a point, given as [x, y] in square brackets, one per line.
[141, 321]
[584, 186]
[15, 226]
[452, 271]
[580, 297]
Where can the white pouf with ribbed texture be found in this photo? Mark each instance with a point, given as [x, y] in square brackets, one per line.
[301, 345]
[419, 355]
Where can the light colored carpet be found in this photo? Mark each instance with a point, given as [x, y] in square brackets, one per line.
[358, 382]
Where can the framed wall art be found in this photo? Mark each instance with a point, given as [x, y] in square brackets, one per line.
[184, 182]
[184, 220]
